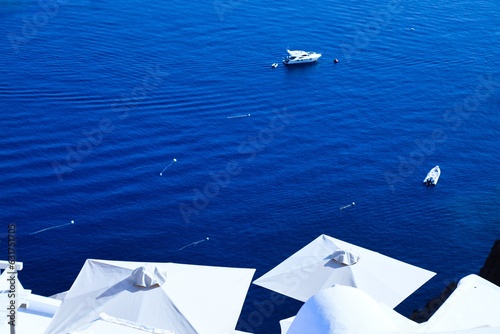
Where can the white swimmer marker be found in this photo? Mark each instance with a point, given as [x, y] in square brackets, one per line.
[238, 116]
[53, 227]
[174, 160]
[194, 243]
[347, 206]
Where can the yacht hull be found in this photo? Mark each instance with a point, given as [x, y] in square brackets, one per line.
[301, 61]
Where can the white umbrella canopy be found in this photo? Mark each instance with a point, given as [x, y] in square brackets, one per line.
[187, 299]
[327, 261]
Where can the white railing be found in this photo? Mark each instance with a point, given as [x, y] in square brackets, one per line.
[12, 294]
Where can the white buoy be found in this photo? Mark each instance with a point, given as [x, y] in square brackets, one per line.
[239, 116]
[193, 243]
[51, 228]
[174, 160]
[346, 206]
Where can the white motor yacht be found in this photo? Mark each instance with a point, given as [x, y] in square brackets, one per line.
[300, 57]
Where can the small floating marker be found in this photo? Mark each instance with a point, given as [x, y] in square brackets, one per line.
[193, 243]
[335, 60]
[174, 160]
[346, 206]
[53, 227]
[239, 116]
[274, 65]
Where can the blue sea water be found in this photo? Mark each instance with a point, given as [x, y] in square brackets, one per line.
[97, 98]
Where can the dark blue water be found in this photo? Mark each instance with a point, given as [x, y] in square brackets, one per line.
[97, 98]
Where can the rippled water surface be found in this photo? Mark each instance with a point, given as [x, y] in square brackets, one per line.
[97, 98]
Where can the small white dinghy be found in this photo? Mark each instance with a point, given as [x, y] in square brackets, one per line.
[432, 177]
